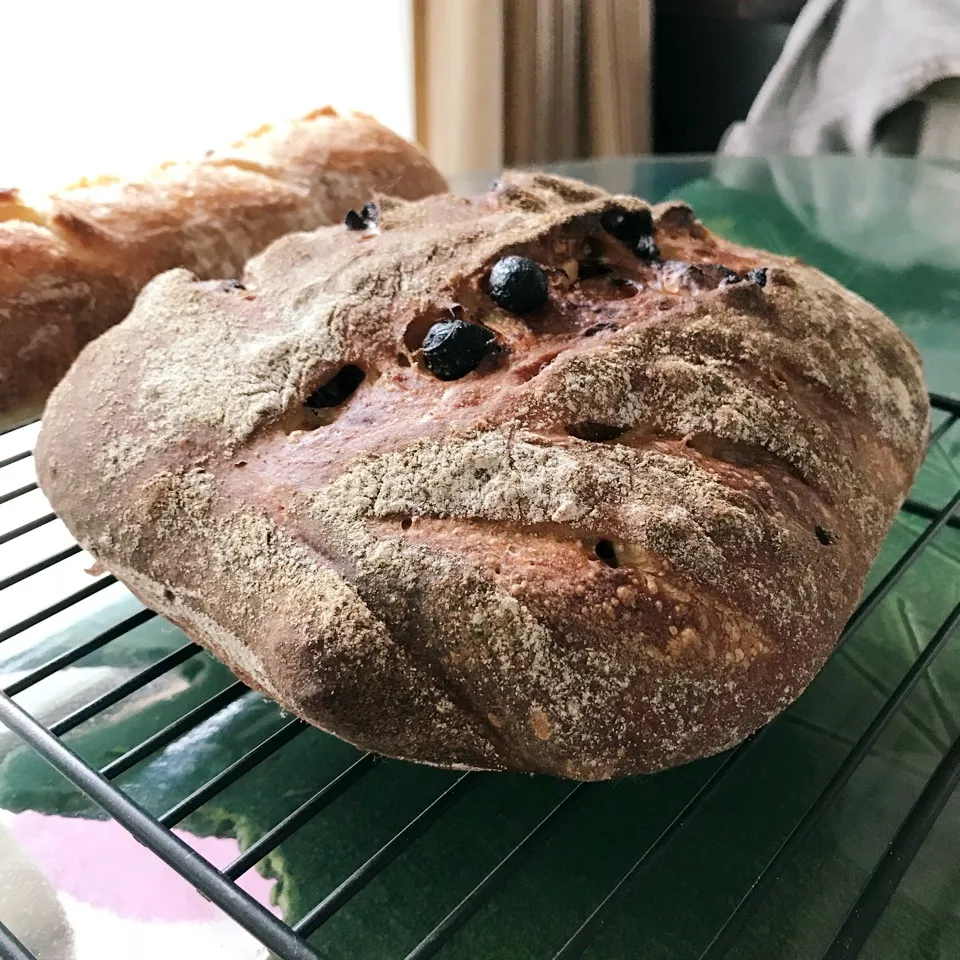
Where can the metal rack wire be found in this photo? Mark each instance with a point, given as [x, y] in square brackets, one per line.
[289, 941]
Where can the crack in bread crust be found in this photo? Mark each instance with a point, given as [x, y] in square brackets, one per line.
[417, 567]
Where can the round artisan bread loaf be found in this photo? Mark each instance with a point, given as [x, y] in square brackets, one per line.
[542, 480]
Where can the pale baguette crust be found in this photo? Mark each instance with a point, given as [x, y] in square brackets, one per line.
[418, 575]
[71, 270]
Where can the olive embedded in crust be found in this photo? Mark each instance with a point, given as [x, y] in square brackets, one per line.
[635, 229]
[627, 225]
[518, 284]
[453, 348]
[366, 219]
[646, 249]
[353, 221]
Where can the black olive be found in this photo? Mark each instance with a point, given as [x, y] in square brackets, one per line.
[336, 389]
[627, 225]
[453, 348]
[368, 217]
[518, 284]
[354, 221]
[233, 285]
[758, 276]
[646, 249]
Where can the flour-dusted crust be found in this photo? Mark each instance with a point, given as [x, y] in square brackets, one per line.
[71, 266]
[626, 540]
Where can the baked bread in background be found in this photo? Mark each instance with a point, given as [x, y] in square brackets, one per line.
[542, 480]
[71, 269]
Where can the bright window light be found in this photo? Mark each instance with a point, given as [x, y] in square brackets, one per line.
[104, 86]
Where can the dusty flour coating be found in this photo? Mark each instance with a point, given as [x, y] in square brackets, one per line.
[531, 693]
[518, 477]
[227, 644]
[194, 387]
[275, 576]
[626, 540]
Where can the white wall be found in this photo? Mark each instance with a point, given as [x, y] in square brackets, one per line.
[116, 86]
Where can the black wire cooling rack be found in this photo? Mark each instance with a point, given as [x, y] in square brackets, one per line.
[289, 941]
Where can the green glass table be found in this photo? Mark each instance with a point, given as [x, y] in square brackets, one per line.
[379, 859]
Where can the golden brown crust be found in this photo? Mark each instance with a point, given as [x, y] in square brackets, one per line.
[624, 541]
[71, 268]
